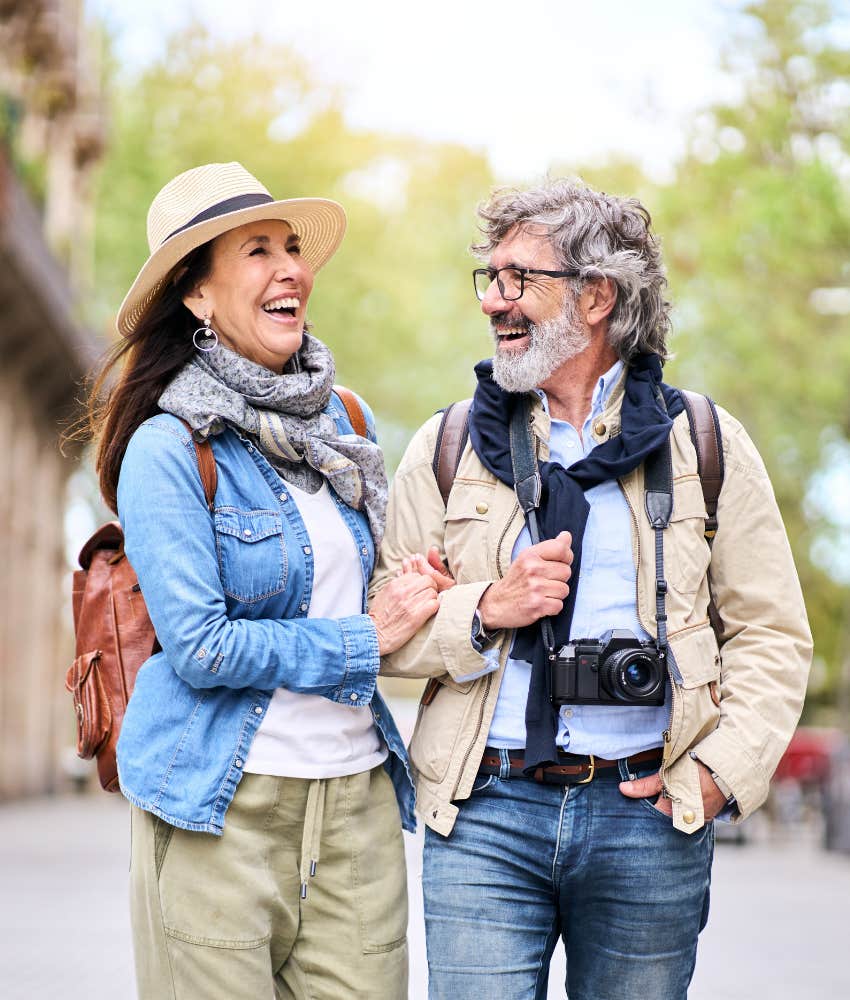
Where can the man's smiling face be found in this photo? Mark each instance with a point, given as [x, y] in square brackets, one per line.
[537, 333]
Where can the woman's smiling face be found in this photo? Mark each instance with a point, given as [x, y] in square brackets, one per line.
[256, 293]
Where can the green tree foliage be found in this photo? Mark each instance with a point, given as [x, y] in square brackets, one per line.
[756, 226]
[396, 303]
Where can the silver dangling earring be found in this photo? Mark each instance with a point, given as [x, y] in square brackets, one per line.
[208, 339]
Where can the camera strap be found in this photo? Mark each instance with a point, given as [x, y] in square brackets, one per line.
[528, 488]
[658, 489]
[658, 493]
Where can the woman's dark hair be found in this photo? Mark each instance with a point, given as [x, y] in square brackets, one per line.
[159, 346]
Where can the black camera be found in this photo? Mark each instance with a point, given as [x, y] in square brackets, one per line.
[616, 669]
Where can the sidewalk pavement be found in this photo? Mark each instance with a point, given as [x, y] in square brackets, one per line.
[778, 926]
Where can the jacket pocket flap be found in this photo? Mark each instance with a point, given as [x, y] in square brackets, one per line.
[696, 655]
[688, 500]
[248, 526]
[469, 502]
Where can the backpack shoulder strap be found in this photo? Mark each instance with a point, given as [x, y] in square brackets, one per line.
[707, 439]
[452, 436]
[353, 409]
[208, 470]
[206, 466]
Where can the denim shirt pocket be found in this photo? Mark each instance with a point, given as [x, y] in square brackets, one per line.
[251, 553]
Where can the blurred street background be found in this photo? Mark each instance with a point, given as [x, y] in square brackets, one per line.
[777, 928]
[730, 120]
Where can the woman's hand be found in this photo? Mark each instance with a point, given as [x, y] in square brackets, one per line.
[431, 566]
[401, 608]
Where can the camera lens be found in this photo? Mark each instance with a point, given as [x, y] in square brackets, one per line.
[632, 675]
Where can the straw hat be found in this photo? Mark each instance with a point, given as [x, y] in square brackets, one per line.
[207, 201]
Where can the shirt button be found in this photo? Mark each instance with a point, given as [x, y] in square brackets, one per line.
[599, 428]
[307, 550]
[258, 710]
[567, 713]
[238, 762]
[283, 497]
[353, 696]
[365, 551]
[304, 605]
[247, 532]
[482, 508]
[688, 816]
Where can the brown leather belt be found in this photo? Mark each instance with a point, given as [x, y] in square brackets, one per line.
[572, 769]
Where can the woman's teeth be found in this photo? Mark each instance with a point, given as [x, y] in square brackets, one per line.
[288, 305]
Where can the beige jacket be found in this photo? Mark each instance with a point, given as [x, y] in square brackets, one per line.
[735, 707]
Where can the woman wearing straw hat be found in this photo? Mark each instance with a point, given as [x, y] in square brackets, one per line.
[265, 773]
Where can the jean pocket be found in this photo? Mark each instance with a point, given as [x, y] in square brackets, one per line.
[251, 553]
[481, 782]
[649, 805]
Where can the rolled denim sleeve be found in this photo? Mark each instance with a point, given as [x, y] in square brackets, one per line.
[170, 542]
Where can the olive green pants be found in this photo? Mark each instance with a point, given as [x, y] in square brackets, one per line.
[223, 918]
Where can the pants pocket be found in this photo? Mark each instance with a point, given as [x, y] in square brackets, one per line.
[378, 864]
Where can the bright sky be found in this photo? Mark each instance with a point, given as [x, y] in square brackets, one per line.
[532, 82]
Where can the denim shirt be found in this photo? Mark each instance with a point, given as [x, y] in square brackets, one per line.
[228, 595]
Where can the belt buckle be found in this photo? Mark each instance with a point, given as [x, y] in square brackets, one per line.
[589, 778]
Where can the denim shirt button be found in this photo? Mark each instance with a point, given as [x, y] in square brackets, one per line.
[353, 696]
[283, 498]
[247, 532]
[365, 551]
[304, 606]
[258, 710]
[307, 550]
[238, 762]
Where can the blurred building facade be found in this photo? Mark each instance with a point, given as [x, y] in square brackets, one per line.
[52, 134]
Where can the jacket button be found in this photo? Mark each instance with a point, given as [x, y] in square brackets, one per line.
[688, 816]
[482, 508]
[258, 710]
[353, 696]
[599, 428]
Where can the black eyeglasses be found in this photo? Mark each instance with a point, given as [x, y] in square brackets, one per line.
[511, 280]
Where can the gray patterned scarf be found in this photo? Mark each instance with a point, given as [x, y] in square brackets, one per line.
[283, 414]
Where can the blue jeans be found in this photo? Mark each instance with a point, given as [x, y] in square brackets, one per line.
[527, 862]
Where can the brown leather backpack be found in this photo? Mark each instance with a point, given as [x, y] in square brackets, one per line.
[114, 631]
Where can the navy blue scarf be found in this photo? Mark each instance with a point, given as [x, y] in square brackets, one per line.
[645, 426]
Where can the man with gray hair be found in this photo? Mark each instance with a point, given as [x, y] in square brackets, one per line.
[584, 722]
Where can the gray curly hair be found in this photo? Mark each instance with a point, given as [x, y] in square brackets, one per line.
[602, 236]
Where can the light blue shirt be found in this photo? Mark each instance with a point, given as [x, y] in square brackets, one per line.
[605, 599]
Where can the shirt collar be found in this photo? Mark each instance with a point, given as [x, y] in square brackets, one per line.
[602, 392]
[605, 386]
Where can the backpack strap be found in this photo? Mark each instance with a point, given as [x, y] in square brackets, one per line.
[206, 466]
[705, 434]
[208, 470]
[353, 409]
[452, 436]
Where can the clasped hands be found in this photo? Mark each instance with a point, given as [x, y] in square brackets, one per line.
[535, 586]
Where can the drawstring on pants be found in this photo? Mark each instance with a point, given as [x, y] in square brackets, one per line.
[311, 839]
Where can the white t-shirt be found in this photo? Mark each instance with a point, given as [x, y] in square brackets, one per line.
[306, 735]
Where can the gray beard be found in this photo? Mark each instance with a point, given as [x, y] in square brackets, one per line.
[553, 343]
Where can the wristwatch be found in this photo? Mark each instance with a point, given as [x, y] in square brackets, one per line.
[480, 635]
